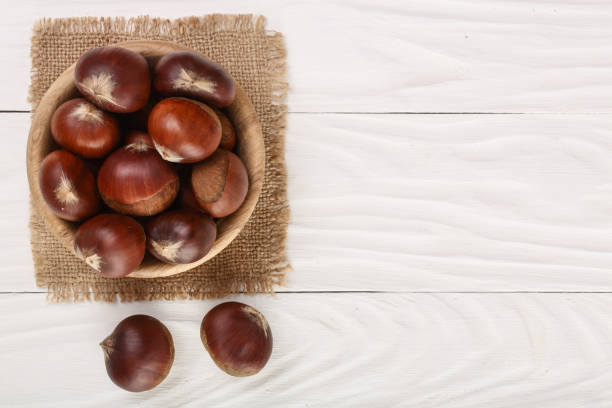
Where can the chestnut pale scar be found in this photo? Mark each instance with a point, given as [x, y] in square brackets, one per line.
[90, 257]
[167, 154]
[190, 80]
[100, 87]
[88, 112]
[167, 249]
[65, 191]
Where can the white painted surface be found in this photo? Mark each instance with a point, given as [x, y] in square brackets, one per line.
[343, 350]
[387, 203]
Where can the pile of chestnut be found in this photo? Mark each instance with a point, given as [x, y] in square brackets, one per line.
[140, 351]
[144, 148]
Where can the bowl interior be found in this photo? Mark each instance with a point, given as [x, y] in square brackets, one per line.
[250, 149]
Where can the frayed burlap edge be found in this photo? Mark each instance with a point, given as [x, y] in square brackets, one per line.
[276, 53]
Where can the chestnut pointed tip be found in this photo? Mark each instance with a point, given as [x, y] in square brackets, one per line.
[107, 345]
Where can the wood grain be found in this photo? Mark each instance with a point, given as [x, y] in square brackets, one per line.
[251, 150]
[419, 203]
[347, 350]
[380, 203]
[394, 56]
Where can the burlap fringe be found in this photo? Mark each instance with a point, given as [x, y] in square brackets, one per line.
[60, 292]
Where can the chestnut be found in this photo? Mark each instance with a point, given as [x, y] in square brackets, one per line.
[115, 79]
[185, 73]
[228, 133]
[220, 183]
[237, 337]
[180, 236]
[139, 353]
[112, 244]
[184, 130]
[185, 198]
[135, 180]
[85, 129]
[68, 186]
[136, 137]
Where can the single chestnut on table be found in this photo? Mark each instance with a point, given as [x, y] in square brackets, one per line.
[68, 186]
[184, 130]
[135, 180]
[228, 132]
[237, 337]
[84, 129]
[186, 73]
[112, 244]
[220, 183]
[180, 236]
[115, 79]
[139, 353]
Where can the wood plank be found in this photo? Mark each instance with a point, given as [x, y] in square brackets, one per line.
[417, 203]
[343, 350]
[390, 56]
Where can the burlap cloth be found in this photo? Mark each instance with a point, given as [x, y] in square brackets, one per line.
[255, 260]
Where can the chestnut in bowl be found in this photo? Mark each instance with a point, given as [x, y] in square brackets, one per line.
[249, 141]
[68, 186]
[237, 337]
[186, 73]
[220, 183]
[180, 236]
[228, 133]
[184, 130]
[114, 78]
[186, 199]
[84, 129]
[112, 244]
[136, 137]
[135, 180]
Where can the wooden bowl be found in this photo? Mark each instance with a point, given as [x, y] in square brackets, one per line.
[250, 149]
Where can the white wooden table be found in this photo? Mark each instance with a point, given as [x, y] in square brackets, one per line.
[450, 180]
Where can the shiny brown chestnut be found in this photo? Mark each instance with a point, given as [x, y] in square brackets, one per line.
[84, 129]
[135, 180]
[180, 236]
[68, 186]
[220, 183]
[139, 353]
[228, 132]
[184, 130]
[237, 337]
[115, 79]
[185, 73]
[112, 244]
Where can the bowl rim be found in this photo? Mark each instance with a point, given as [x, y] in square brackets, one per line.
[251, 149]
